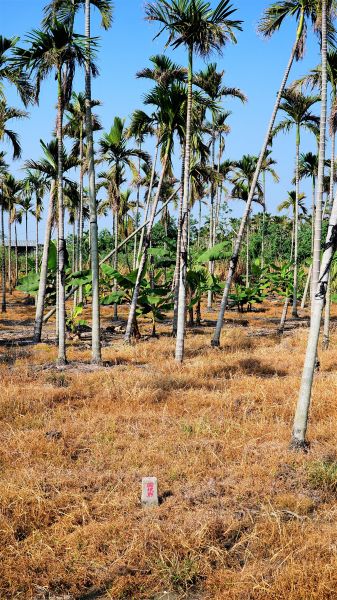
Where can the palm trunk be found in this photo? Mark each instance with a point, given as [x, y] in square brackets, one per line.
[16, 255]
[116, 258]
[3, 263]
[37, 238]
[181, 319]
[26, 219]
[326, 329]
[306, 289]
[96, 337]
[294, 309]
[80, 220]
[144, 249]
[44, 269]
[61, 241]
[9, 253]
[303, 404]
[263, 219]
[211, 225]
[177, 267]
[321, 157]
[284, 315]
[247, 252]
[235, 256]
[148, 200]
[134, 260]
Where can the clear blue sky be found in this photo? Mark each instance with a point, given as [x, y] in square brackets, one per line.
[254, 65]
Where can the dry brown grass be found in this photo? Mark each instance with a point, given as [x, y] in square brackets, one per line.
[241, 516]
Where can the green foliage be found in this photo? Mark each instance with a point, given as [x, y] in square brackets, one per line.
[323, 475]
[74, 321]
[218, 252]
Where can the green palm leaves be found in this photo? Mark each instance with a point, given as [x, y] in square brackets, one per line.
[195, 24]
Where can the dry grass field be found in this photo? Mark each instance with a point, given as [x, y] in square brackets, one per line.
[241, 517]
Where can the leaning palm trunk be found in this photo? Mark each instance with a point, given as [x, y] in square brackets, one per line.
[44, 270]
[3, 263]
[303, 404]
[148, 200]
[321, 156]
[144, 250]
[284, 315]
[235, 256]
[294, 310]
[181, 317]
[60, 239]
[96, 338]
[306, 289]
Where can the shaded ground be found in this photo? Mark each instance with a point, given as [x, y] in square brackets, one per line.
[241, 517]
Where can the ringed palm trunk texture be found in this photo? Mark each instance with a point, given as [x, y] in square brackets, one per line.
[294, 309]
[44, 270]
[116, 256]
[26, 219]
[181, 315]
[144, 249]
[321, 157]
[3, 263]
[177, 267]
[303, 404]
[61, 241]
[80, 220]
[237, 246]
[36, 238]
[16, 254]
[96, 338]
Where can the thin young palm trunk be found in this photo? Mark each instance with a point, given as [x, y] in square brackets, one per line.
[3, 263]
[148, 200]
[235, 256]
[80, 220]
[247, 252]
[177, 267]
[73, 254]
[60, 239]
[108, 256]
[306, 289]
[44, 270]
[284, 315]
[308, 283]
[294, 309]
[16, 254]
[94, 258]
[321, 157]
[9, 253]
[211, 225]
[26, 220]
[36, 237]
[134, 260]
[263, 219]
[116, 258]
[144, 249]
[181, 318]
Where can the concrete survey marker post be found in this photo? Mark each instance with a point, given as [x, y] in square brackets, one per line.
[149, 491]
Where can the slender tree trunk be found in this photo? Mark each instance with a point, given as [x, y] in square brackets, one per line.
[16, 255]
[181, 319]
[26, 220]
[147, 205]
[306, 289]
[247, 252]
[304, 398]
[146, 244]
[321, 157]
[9, 253]
[116, 258]
[294, 309]
[80, 221]
[326, 329]
[284, 315]
[37, 237]
[96, 336]
[134, 261]
[235, 256]
[263, 219]
[3, 263]
[73, 254]
[211, 225]
[61, 241]
[108, 256]
[44, 269]
[177, 267]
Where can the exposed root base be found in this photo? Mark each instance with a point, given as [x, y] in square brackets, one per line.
[299, 445]
[215, 344]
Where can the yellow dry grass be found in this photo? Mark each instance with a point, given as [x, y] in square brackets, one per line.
[242, 517]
